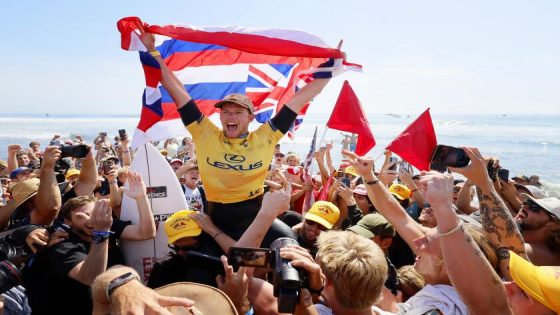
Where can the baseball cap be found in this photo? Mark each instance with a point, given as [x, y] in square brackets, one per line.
[521, 177]
[180, 225]
[324, 213]
[207, 299]
[373, 224]
[112, 158]
[541, 282]
[14, 174]
[175, 160]
[71, 172]
[351, 170]
[360, 190]
[400, 191]
[550, 204]
[534, 191]
[238, 99]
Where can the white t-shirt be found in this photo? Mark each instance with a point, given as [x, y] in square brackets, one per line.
[194, 199]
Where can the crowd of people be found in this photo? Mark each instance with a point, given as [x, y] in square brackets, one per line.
[347, 239]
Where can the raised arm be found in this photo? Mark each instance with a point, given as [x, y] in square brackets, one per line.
[320, 158]
[464, 198]
[168, 79]
[330, 166]
[13, 150]
[482, 291]
[384, 201]
[48, 199]
[497, 222]
[146, 227]
[96, 260]
[88, 176]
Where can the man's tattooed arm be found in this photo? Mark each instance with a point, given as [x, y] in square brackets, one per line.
[500, 228]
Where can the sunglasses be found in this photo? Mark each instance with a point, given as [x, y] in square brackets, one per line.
[533, 207]
[315, 224]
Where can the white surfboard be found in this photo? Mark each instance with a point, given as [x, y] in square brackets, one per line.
[165, 197]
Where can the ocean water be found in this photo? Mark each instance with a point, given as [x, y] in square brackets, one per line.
[525, 144]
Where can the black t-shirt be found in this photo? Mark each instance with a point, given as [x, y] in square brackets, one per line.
[49, 288]
[175, 268]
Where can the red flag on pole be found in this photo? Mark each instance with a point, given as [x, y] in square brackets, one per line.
[348, 115]
[417, 142]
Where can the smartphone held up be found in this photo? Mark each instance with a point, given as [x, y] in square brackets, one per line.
[445, 156]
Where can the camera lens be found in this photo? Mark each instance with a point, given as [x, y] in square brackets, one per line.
[10, 276]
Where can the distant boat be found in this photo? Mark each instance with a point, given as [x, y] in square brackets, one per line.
[504, 115]
[47, 115]
[393, 115]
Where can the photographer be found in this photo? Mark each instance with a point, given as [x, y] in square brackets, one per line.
[35, 201]
[65, 271]
[348, 273]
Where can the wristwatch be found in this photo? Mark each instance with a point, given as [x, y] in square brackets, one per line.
[119, 281]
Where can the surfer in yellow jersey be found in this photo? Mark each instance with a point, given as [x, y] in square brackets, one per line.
[234, 162]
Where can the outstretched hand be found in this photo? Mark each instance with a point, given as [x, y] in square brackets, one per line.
[148, 39]
[437, 188]
[277, 202]
[136, 187]
[363, 165]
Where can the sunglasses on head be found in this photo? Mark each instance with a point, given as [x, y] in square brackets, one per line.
[313, 223]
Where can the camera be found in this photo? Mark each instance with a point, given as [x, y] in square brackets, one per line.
[286, 279]
[10, 276]
[122, 134]
[73, 150]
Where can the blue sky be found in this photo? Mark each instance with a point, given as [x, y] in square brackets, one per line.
[454, 56]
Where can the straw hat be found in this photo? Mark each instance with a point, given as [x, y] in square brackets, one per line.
[207, 300]
[22, 192]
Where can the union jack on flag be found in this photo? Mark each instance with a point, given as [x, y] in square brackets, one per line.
[268, 65]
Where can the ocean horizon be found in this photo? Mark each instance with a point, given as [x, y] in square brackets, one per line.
[525, 144]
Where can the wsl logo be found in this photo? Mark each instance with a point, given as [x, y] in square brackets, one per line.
[234, 162]
[156, 192]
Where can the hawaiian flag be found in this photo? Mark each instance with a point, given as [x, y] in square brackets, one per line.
[268, 65]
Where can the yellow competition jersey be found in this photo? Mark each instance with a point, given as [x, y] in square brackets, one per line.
[233, 170]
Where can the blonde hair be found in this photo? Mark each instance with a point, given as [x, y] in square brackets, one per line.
[355, 266]
[410, 281]
[483, 243]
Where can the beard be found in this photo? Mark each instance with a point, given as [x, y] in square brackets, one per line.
[524, 226]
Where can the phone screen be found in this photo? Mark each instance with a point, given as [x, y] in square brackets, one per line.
[393, 163]
[503, 174]
[450, 156]
[345, 181]
[250, 257]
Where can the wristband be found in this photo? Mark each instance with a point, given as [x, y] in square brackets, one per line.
[453, 230]
[372, 182]
[119, 281]
[217, 234]
[155, 53]
[98, 237]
